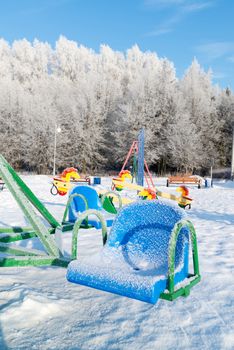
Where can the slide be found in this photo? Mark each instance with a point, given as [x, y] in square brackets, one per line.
[134, 261]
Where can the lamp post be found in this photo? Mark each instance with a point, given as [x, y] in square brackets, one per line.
[57, 129]
[232, 165]
[211, 172]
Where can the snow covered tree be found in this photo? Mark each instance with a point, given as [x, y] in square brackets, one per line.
[101, 101]
[225, 115]
[200, 98]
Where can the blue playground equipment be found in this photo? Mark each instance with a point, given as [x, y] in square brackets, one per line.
[145, 256]
[85, 197]
[141, 158]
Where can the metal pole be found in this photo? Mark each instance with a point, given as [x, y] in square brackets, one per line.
[132, 148]
[55, 145]
[211, 171]
[140, 158]
[211, 176]
[232, 166]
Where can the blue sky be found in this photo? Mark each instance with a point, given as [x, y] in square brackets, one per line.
[177, 29]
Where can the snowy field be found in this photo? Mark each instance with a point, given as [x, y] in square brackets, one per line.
[39, 309]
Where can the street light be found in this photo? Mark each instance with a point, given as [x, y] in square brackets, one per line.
[232, 165]
[211, 172]
[57, 129]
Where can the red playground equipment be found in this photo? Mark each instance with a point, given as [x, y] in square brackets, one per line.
[133, 151]
[140, 169]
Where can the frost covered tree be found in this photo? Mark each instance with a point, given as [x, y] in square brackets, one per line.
[225, 115]
[182, 138]
[200, 98]
[101, 100]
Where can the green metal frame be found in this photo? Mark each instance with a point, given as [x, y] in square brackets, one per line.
[16, 256]
[27, 192]
[14, 229]
[77, 226]
[68, 224]
[194, 278]
[28, 202]
[39, 260]
[9, 235]
[109, 207]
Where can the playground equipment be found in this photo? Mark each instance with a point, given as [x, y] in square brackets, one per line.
[109, 199]
[83, 198]
[64, 182]
[145, 257]
[147, 250]
[140, 169]
[29, 204]
[153, 193]
[186, 202]
[14, 255]
[123, 176]
[147, 193]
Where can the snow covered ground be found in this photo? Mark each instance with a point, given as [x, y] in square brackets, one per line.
[39, 309]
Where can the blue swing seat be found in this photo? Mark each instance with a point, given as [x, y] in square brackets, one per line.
[78, 206]
[134, 261]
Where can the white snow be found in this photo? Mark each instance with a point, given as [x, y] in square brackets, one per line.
[39, 309]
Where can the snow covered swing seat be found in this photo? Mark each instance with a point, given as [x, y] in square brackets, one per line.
[146, 252]
[86, 197]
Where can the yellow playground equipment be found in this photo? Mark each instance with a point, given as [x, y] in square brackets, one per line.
[123, 176]
[184, 195]
[115, 198]
[63, 183]
[183, 200]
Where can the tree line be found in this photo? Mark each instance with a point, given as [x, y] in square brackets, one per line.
[101, 100]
